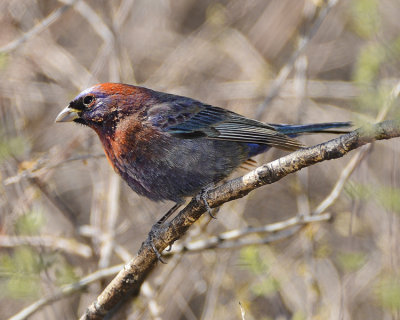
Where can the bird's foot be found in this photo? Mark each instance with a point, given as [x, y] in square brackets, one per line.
[156, 229]
[154, 233]
[202, 196]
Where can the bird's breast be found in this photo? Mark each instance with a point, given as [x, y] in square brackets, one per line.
[132, 150]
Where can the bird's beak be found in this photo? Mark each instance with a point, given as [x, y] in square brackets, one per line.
[67, 115]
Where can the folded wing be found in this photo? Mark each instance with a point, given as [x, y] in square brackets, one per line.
[187, 118]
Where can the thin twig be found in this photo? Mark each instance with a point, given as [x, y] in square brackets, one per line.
[42, 165]
[213, 290]
[42, 25]
[66, 291]
[242, 312]
[225, 240]
[107, 245]
[154, 307]
[55, 243]
[344, 176]
[278, 82]
[358, 157]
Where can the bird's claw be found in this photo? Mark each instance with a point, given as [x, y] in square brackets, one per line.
[153, 234]
[202, 196]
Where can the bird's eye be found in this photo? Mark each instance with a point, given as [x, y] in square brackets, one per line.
[87, 100]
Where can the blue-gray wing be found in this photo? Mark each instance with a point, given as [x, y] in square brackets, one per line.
[187, 118]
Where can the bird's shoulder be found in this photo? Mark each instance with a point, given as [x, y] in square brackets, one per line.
[178, 114]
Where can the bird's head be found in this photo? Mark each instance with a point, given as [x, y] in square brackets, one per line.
[104, 105]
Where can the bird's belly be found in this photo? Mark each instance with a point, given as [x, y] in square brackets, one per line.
[181, 168]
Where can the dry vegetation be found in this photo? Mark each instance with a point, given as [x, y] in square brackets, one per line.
[65, 214]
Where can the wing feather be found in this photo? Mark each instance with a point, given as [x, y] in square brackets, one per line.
[189, 118]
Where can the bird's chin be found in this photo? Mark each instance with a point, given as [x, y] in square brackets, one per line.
[81, 121]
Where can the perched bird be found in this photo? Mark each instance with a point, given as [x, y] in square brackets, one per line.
[168, 147]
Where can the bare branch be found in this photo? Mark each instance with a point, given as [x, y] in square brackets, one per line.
[42, 165]
[66, 290]
[42, 25]
[230, 238]
[135, 272]
[55, 243]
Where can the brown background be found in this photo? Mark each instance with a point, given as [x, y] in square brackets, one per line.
[225, 53]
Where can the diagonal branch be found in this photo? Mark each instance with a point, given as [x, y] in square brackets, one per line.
[135, 272]
[42, 25]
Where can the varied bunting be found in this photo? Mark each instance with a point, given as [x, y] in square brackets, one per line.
[167, 147]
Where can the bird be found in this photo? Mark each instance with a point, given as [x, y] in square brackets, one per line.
[170, 147]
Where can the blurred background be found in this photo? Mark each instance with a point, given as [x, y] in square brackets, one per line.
[64, 214]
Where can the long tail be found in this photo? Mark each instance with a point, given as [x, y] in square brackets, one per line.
[312, 128]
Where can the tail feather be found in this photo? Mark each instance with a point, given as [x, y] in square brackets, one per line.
[312, 128]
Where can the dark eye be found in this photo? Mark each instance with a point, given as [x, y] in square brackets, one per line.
[88, 100]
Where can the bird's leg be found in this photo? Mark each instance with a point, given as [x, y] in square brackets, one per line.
[155, 230]
[202, 196]
[169, 213]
